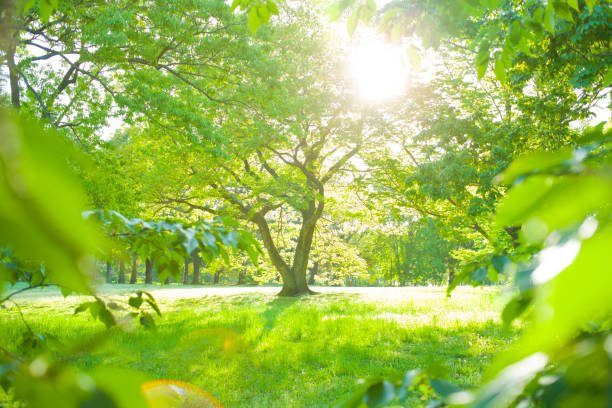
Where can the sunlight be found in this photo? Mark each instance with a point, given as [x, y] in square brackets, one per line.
[379, 70]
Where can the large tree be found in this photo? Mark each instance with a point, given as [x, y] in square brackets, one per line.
[300, 127]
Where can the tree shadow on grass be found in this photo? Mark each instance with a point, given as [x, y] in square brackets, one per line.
[274, 309]
[323, 342]
[328, 367]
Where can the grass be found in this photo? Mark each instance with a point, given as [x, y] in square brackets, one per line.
[251, 349]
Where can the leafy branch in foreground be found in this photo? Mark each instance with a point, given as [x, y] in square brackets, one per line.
[45, 241]
[563, 201]
[168, 242]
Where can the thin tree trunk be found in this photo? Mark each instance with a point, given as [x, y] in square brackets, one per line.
[240, 278]
[185, 275]
[134, 273]
[121, 278]
[9, 33]
[109, 277]
[313, 272]
[148, 271]
[217, 275]
[195, 280]
[13, 76]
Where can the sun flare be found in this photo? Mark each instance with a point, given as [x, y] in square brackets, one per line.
[379, 70]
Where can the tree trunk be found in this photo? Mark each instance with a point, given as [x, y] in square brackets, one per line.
[13, 76]
[217, 275]
[148, 271]
[289, 283]
[121, 278]
[134, 272]
[301, 257]
[240, 278]
[185, 275]
[195, 280]
[109, 276]
[9, 33]
[313, 272]
[294, 277]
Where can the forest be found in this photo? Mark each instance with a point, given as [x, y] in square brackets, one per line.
[323, 203]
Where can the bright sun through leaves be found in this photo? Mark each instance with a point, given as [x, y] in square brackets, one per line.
[379, 70]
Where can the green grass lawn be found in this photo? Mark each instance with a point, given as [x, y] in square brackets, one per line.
[286, 352]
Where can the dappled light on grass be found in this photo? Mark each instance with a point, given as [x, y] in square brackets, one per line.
[323, 342]
[177, 394]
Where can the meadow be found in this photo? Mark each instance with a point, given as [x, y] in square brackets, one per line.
[249, 348]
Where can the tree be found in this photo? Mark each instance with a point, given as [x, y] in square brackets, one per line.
[303, 127]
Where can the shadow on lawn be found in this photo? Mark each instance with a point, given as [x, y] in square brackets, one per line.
[324, 342]
[328, 367]
[274, 309]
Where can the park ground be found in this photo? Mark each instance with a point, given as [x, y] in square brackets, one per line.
[249, 348]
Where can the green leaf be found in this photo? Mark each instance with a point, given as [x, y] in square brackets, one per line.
[444, 389]
[151, 301]
[500, 263]
[353, 19]
[415, 57]
[105, 316]
[41, 202]
[480, 274]
[337, 8]
[535, 162]
[482, 58]
[409, 378]
[500, 68]
[28, 5]
[272, 7]
[492, 274]
[563, 11]
[510, 383]
[353, 401]
[515, 307]
[254, 20]
[135, 301]
[515, 33]
[573, 4]
[549, 19]
[590, 4]
[557, 202]
[264, 13]
[147, 321]
[44, 10]
[123, 386]
[83, 307]
[379, 394]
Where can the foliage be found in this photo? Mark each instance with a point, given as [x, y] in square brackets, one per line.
[411, 253]
[498, 30]
[259, 12]
[41, 204]
[42, 208]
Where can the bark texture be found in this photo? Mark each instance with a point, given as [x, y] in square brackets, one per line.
[134, 272]
[148, 271]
